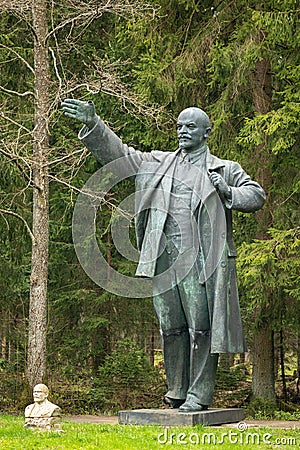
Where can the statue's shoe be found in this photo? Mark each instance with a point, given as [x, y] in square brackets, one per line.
[191, 406]
[173, 402]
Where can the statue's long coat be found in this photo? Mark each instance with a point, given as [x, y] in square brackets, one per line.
[154, 173]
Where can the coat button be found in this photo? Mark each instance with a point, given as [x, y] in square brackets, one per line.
[168, 248]
[223, 235]
[223, 264]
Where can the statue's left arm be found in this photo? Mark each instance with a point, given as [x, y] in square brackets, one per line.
[246, 195]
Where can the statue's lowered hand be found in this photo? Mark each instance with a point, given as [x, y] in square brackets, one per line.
[84, 112]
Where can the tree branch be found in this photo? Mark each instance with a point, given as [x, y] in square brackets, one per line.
[19, 56]
[63, 158]
[97, 197]
[19, 94]
[14, 122]
[55, 67]
[87, 11]
[11, 213]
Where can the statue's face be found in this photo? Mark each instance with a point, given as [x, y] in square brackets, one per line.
[193, 129]
[40, 393]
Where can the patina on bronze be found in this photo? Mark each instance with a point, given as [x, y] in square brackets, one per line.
[199, 313]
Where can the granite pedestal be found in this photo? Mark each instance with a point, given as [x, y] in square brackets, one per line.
[169, 417]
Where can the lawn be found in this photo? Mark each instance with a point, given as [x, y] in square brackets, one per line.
[13, 436]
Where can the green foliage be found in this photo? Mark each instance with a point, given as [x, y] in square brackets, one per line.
[261, 409]
[286, 415]
[272, 265]
[231, 70]
[11, 385]
[230, 378]
[280, 126]
[127, 380]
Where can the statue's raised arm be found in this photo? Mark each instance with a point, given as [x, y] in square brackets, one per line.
[84, 112]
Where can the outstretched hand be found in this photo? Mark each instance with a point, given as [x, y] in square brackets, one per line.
[84, 112]
[220, 184]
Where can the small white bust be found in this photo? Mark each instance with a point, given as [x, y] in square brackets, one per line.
[41, 413]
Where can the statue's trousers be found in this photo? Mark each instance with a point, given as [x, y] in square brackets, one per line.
[184, 321]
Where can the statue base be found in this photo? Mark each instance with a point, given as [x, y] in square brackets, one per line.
[170, 417]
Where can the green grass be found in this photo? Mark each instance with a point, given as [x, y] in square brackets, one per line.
[13, 436]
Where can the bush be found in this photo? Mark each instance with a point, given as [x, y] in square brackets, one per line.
[230, 378]
[127, 380]
[11, 386]
[261, 409]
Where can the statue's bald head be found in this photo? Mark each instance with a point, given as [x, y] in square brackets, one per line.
[40, 393]
[197, 113]
[41, 388]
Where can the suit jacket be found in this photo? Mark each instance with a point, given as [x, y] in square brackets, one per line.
[46, 409]
[154, 174]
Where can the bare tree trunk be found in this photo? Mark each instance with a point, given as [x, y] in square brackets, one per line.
[150, 349]
[36, 358]
[263, 381]
[3, 347]
[298, 364]
[282, 366]
[263, 376]
[263, 365]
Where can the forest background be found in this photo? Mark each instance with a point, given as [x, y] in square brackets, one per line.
[142, 63]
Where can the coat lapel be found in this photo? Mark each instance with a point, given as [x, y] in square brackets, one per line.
[203, 187]
[151, 177]
[153, 189]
